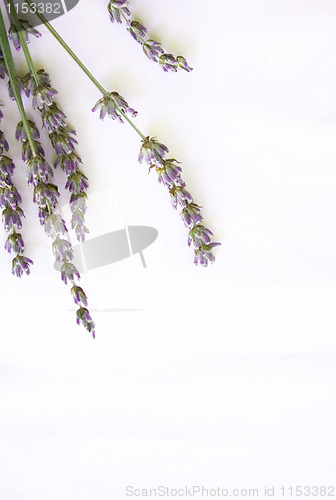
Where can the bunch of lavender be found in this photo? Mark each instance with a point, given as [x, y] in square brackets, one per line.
[119, 11]
[46, 194]
[112, 104]
[37, 86]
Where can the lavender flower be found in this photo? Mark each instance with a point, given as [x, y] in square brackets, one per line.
[9, 195]
[62, 140]
[152, 151]
[3, 143]
[20, 133]
[14, 243]
[204, 254]
[6, 167]
[169, 174]
[62, 249]
[43, 96]
[77, 182]
[137, 30]
[191, 214]
[180, 196]
[38, 170]
[181, 61]
[12, 218]
[168, 62]
[152, 50]
[118, 8]
[27, 153]
[68, 272]
[198, 235]
[52, 117]
[68, 162]
[27, 29]
[46, 195]
[83, 316]
[78, 295]
[20, 264]
[111, 104]
[55, 226]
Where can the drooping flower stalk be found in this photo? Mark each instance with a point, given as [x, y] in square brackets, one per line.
[119, 11]
[45, 193]
[113, 105]
[11, 213]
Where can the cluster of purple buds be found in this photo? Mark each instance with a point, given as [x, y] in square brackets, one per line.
[11, 212]
[112, 104]
[28, 29]
[118, 10]
[169, 174]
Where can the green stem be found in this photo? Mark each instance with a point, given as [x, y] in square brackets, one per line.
[82, 66]
[7, 54]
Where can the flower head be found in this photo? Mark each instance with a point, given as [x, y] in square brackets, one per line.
[111, 104]
[9, 195]
[116, 9]
[77, 182]
[12, 218]
[38, 170]
[20, 264]
[62, 249]
[55, 226]
[83, 316]
[20, 133]
[138, 31]
[46, 194]
[199, 235]
[204, 254]
[78, 295]
[27, 29]
[152, 151]
[180, 196]
[14, 243]
[191, 214]
[68, 162]
[169, 173]
[168, 62]
[43, 96]
[152, 50]
[68, 272]
[183, 63]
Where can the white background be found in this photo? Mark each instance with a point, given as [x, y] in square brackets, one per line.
[222, 376]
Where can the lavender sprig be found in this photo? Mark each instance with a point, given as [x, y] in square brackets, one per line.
[119, 11]
[169, 175]
[12, 214]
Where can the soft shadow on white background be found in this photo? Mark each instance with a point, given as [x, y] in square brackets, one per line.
[221, 377]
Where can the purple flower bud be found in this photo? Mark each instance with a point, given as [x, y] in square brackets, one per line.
[152, 151]
[20, 84]
[43, 96]
[10, 196]
[183, 63]
[199, 235]
[14, 243]
[38, 170]
[179, 195]
[62, 249]
[204, 254]
[169, 173]
[83, 316]
[62, 141]
[68, 162]
[53, 118]
[116, 8]
[27, 153]
[191, 214]
[55, 226]
[109, 105]
[152, 49]
[3, 143]
[78, 295]
[20, 133]
[138, 31]
[6, 167]
[77, 182]
[20, 264]
[12, 218]
[46, 194]
[78, 201]
[27, 29]
[168, 62]
[68, 272]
